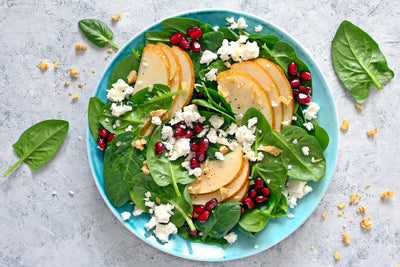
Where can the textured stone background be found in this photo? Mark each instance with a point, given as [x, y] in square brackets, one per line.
[38, 229]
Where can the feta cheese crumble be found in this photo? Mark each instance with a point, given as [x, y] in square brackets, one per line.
[208, 57]
[219, 156]
[311, 111]
[119, 91]
[258, 28]
[309, 126]
[212, 74]
[238, 51]
[294, 190]
[125, 215]
[240, 24]
[137, 211]
[290, 216]
[117, 111]
[231, 237]
[156, 120]
[305, 150]
[216, 121]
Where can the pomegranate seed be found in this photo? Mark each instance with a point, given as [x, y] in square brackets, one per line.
[159, 147]
[179, 132]
[198, 127]
[189, 31]
[195, 32]
[198, 209]
[176, 38]
[258, 183]
[204, 144]
[303, 99]
[201, 155]
[180, 125]
[260, 199]
[196, 46]
[189, 133]
[252, 193]
[201, 95]
[265, 191]
[305, 75]
[101, 142]
[197, 105]
[194, 215]
[184, 43]
[305, 89]
[295, 82]
[211, 204]
[103, 132]
[193, 233]
[295, 92]
[111, 136]
[292, 69]
[203, 217]
[194, 163]
[241, 210]
[248, 203]
[194, 146]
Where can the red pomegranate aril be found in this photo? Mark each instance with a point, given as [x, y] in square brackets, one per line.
[303, 99]
[194, 163]
[201, 156]
[201, 95]
[260, 199]
[198, 128]
[258, 183]
[179, 132]
[198, 209]
[252, 193]
[111, 136]
[195, 32]
[203, 217]
[204, 144]
[305, 89]
[189, 31]
[193, 233]
[196, 46]
[295, 92]
[103, 132]
[241, 210]
[189, 133]
[197, 105]
[194, 146]
[176, 38]
[265, 191]
[159, 148]
[101, 142]
[292, 69]
[211, 204]
[295, 82]
[184, 43]
[180, 125]
[305, 75]
[248, 202]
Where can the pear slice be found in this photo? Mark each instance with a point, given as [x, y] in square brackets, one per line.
[221, 173]
[243, 91]
[262, 76]
[284, 88]
[241, 194]
[225, 192]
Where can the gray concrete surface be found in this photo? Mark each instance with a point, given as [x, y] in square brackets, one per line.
[41, 229]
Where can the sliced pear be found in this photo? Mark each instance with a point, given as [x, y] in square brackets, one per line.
[262, 76]
[222, 173]
[225, 192]
[284, 88]
[175, 70]
[242, 91]
[241, 194]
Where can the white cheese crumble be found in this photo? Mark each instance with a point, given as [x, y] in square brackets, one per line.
[258, 28]
[311, 111]
[294, 141]
[163, 231]
[256, 246]
[212, 74]
[163, 212]
[290, 216]
[156, 120]
[189, 115]
[240, 24]
[119, 91]
[137, 211]
[129, 128]
[305, 150]
[125, 215]
[242, 39]
[216, 121]
[219, 155]
[252, 122]
[216, 28]
[295, 190]
[309, 126]
[166, 132]
[207, 57]
[289, 167]
[294, 118]
[180, 148]
[231, 237]
[117, 111]
[238, 51]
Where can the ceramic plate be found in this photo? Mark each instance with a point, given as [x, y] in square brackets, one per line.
[277, 229]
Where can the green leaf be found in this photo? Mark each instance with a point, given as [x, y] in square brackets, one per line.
[219, 64]
[358, 61]
[223, 218]
[154, 37]
[218, 101]
[109, 122]
[97, 32]
[253, 221]
[138, 53]
[207, 28]
[180, 24]
[203, 103]
[321, 135]
[184, 232]
[122, 69]
[212, 41]
[228, 34]
[95, 109]
[39, 143]
[122, 163]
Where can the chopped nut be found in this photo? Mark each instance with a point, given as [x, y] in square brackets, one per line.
[340, 213]
[61, 78]
[116, 16]
[354, 198]
[367, 185]
[139, 144]
[336, 255]
[387, 194]
[109, 49]
[273, 150]
[56, 64]
[366, 223]
[359, 106]
[158, 112]
[107, 56]
[223, 149]
[73, 72]
[285, 100]
[75, 96]
[344, 225]
[43, 65]
[324, 215]
[80, 85]
[345, 125]
[351, 219]
[158, 201]
[312, 247]
[70, 93]
[363, 209]
[356, 202]
[67, 83]
[341, 205]
[132, 76]
[80, 47]
[346, 238]
[93, 70]
[372, 132]
[145, 169]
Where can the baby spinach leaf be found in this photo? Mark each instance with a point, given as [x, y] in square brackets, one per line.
[321, 135]
[122, 69]
[97, 32]
[180, 24]
[95, 109]
[219, 64]
[358, 61]
[229, 34]
[212, 41]
[154, 37]
[118, 125]
[269, 40]
[163, 170]
[225, 216]
[39, 143]
[216, 99]
[204, 103]
[138, 53]
[184, 232]
[207, 28]
[253, 221]
[122, 163]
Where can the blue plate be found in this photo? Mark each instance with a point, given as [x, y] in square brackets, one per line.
[277, 229]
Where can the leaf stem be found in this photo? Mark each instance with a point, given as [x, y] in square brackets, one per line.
[113, 44]
[13, 167]
[178, 193]
[185, 216]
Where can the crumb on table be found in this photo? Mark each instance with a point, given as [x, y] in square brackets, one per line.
[43, 65]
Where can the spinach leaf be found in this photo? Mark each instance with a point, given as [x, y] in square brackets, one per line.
[180, 24]
[229, 34]
[219, 64]
[39, 143]
[207, 28]
[253, 221]
[212, 41]
[154, 37]
[204, 103]
[118, 125]
[217, 100]
[182, 205]
[184, 232]
[122, 163]
[97, 32]
[138, 53]
[358, 61]
[96, 107]
[163, 170]
[269, 40]
[321, 135]
[122, 69]
[225, 216]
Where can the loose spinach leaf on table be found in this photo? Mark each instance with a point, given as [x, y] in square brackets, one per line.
[39, 143]
[95, 109]
[163, 170]
[224, 217]
[184, 232]
[97, 32]
[122, 69]
[154, 37]
[358, 61]
[122, 163]
[180, 24]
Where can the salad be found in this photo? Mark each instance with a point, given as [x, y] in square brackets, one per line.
[210, 130]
